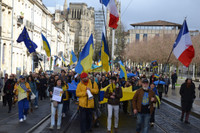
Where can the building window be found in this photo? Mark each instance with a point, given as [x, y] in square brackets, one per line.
[3, 53]
[144, 37]
[137, 37]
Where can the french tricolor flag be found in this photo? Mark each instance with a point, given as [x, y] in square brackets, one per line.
[183, 49]
[114, 16]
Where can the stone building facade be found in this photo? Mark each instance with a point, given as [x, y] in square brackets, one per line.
[14, 15]
[81, 20]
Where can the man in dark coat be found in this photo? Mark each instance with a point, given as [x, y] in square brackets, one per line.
[174, 80]
[8, 91]
[187, 92]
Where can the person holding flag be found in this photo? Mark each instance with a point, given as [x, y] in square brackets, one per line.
[113, 93]
[22, 90]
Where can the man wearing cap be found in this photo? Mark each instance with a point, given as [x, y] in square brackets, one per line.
[113, 93]
[84, 91]
[143, 106]
[22, 90]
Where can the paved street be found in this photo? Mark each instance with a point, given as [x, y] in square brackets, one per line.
[9, 122]
[167, 121]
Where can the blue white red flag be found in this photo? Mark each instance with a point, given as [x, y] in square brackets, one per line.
[183, 48]
[114, 15]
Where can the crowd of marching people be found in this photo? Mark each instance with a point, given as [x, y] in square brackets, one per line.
[27, 90]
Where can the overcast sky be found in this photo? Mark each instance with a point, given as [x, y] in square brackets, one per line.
[134, 11]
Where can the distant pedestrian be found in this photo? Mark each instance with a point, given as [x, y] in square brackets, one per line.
[34, 90]
[8, 91]
[113, 93]
[174, 80]
[167, 83]
[187, 92]
[43, 87]
[160, 86]
[4, 96]
[22, 90]
[143, 106]
[152, 119]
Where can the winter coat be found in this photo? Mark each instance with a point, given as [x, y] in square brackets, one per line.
[118, 95]
[167, 81]
[81, 92]
[138, 97]
[9, 87]
[187, 96]
[174, 78]
[33, 87]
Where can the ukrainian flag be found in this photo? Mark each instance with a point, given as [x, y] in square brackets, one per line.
[46, 46]
[122, 71]
[104, 54]
[63, 60]
[85, 57]
[156, 75]
[99, 63]
[73, 58]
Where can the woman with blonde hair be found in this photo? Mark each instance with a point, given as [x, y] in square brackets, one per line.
[22, 90]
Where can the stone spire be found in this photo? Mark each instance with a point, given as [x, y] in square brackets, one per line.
[65, 6]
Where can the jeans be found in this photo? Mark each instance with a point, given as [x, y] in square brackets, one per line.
[152, 119]
[142, 119]
[116, 114]
[53, 112]
[166, 89]
[65, 106]
[173, 86]
[85, 119]
[9, 101]
[36, 99]
[23, 106]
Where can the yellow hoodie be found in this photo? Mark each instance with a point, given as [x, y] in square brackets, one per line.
[83, 98]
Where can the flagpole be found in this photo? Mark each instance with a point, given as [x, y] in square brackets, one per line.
[113, 42]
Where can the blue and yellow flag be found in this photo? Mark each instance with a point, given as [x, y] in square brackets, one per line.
[63, 60]
[85, 57]
[156, 75]
[73, 58]
[104, 54]
[99, 63]
[122, 71]
[46, 46]
[31, 46]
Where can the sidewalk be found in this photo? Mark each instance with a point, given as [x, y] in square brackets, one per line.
[174, 98]
[9, 122]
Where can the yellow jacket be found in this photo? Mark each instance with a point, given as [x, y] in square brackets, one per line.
[65, 88]
[20, 94]
[83, 98]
